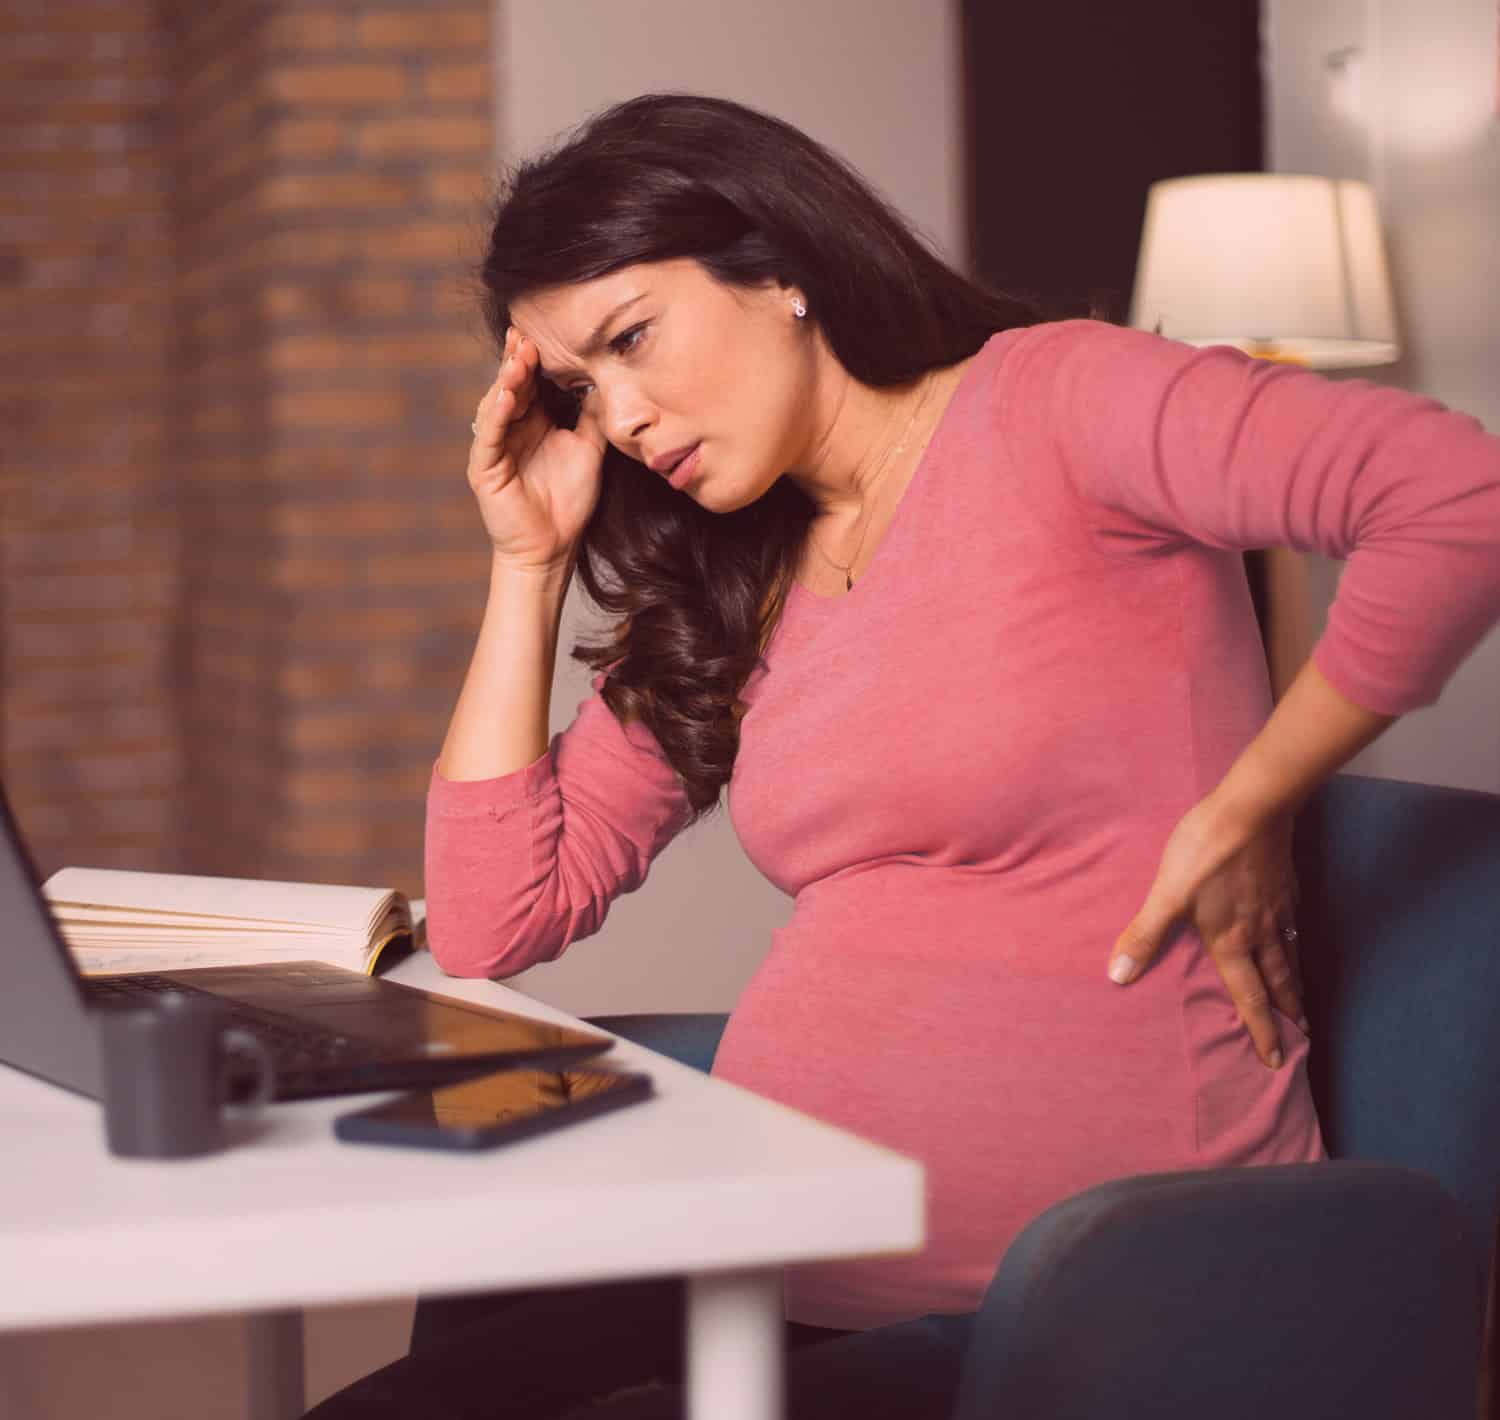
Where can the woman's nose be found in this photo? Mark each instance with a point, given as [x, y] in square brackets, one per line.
[626, 417]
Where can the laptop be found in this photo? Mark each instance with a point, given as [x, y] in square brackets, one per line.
[330, 1031]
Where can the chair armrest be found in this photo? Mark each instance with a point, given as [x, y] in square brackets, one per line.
[1235, 1293]
[691, 1037]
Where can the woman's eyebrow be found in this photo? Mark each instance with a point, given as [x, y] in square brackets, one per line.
[595, 343]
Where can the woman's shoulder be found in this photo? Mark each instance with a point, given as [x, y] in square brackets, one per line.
[1072, 331]
[1054, 365]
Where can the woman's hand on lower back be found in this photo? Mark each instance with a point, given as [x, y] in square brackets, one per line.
[1232, 881]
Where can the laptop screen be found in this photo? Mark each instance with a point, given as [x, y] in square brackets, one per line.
[45, 1028]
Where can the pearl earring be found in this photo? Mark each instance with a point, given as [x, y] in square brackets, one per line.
[798, 307]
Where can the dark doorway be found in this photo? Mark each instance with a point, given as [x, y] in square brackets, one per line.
[1074, 108]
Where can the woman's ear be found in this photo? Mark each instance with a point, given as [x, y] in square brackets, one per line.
[787, 293]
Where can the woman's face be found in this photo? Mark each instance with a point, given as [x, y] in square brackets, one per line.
[681, 359]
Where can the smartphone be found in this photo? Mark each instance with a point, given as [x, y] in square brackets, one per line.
[489, 1110]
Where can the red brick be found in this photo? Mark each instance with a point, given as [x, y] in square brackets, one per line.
[427, 350]
[463, 189]
[298, 31]
[348, 85]
[334, 248]
[425, 136]
[340, 520]
[461, 82]
[319, 192]
[330, 303]
[355, 785]
[292, 137]
[338, 409]
[424, 28]
[322, 732]
[74, 21]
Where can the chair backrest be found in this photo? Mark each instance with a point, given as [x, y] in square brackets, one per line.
[1303, 1289]
[1400, 946]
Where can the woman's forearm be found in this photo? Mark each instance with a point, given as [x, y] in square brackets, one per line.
[1313, 731]
[500, 722]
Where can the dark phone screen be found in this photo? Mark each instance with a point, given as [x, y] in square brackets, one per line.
[506, 1099]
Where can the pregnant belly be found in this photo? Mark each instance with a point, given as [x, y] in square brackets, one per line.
[1012, 1068]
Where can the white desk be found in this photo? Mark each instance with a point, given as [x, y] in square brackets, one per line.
[705, 1180]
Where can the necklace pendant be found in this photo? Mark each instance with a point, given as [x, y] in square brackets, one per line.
[848, 582]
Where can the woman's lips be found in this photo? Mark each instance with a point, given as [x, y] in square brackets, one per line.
[687, 469]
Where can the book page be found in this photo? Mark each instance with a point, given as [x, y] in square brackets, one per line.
[218, 900]
[118, 920]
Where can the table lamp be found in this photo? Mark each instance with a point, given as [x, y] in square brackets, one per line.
[1284, 266]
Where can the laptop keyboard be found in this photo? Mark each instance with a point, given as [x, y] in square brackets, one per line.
[295, 1046]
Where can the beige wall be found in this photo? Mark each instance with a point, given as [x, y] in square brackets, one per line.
[1420, 123]
[879, 82]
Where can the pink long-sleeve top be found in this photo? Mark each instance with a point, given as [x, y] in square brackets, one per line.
[965, 770]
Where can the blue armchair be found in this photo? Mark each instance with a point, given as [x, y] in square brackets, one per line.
[1351, 1288]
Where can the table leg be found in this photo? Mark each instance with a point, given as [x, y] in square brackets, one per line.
[736, 1346]
[275, 1389]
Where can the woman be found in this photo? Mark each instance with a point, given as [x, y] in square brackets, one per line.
[950, 596]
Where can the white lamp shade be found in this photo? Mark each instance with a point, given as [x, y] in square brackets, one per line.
[1279, 264]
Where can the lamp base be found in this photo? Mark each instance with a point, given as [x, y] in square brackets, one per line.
[1277, 354]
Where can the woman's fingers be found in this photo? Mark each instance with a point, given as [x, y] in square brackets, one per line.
[1248, 990]
[494, 414]
[491, 414]
[502, 405]
[1278, 968]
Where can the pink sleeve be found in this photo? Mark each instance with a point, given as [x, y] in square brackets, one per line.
[1165, 442]
[520, 866]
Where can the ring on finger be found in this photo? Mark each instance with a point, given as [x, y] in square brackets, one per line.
[1289, 935]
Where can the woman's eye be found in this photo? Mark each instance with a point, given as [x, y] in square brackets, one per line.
[622, 344]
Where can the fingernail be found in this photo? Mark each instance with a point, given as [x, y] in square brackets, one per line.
[1303, 1026]
[1121, 969]
[1275, 1060]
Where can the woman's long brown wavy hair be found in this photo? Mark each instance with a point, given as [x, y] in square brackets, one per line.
[753, 200]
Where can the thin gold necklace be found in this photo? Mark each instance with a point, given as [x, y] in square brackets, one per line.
[886, 462]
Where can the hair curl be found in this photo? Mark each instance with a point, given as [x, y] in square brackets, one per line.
[753, 200]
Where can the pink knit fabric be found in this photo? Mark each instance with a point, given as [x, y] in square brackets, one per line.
[964, 772]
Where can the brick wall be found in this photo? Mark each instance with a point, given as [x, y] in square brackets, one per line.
[91, 753]
[322, 169]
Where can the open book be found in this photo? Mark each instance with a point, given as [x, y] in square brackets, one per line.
[118, 920]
